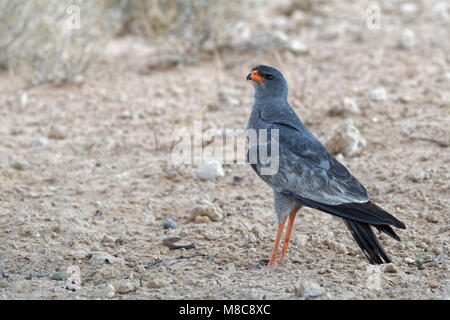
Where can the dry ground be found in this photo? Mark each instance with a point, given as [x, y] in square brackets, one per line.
[85, 169]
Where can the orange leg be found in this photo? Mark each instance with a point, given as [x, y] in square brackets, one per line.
[287, 236]
[273, 259]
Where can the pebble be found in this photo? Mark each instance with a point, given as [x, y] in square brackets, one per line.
[347, 140]
[59, 276]
[390, 268]
[156, 283]
[408, 10]
[378, 94]
[406, 39]
[40, 143]
[433, 284]
[99, 258]
[57, 133]
[80, 254]
[417, 175]
[23, 98]
[210, 170]
[206, 208]
[346, 107]
[308, 289]
[169, 241]
[201, 219]
[169, 224]
[125, 286]
[409, 260]
[298, 47]
[73, 276]
[18, 165]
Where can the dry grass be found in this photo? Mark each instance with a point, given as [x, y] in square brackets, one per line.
[52, 41]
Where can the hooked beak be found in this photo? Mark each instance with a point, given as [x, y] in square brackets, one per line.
[255, 76]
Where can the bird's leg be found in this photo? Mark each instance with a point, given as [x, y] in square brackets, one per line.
[273, 259]
[287, 236]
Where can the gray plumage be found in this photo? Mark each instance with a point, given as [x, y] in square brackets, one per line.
[308, 174]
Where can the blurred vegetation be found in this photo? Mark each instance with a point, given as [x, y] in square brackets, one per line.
[40, 41]
[52, 41]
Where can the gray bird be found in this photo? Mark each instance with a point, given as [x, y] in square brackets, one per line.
[308, 175]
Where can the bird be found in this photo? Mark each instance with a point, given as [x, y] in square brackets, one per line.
[307, 174]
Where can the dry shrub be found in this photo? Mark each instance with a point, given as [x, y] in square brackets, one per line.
[53, 40]
[186, 26]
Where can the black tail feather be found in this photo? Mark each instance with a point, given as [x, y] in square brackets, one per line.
[368, 242]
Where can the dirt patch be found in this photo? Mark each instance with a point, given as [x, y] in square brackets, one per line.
[85, 176]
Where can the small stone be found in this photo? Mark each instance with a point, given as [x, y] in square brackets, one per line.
[80, 254]
[378, 94]
[201, 219]
[206, 208]
[346, 140]
[417, 175]
[110, 294]
[298, 47]
[18, 165]
[169, 224]
[2, 267]
[408, 10]
[23, 98]
[390, 268]
[308, 289]
[156, 283]
[59, 276]
[40, 143]
[169, 241]
[302, 239]
[431, 218]
[73, 276]
[409, 260]
[256, 230]
[99, 258]
[346, 107]
[433, 284]
[406, 39]
[57, 134]
[125, 286]
[210, 170]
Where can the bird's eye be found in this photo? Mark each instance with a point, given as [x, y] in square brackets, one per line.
[268, 76]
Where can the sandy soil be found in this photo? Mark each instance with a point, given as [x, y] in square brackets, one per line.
[86, 178]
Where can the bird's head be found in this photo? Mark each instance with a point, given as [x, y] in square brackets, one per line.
[268, 82]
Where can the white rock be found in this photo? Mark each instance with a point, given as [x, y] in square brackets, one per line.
[41, 142]
[206, 208]
[73, 277]
[302, 239]
[409, 260]
[406, 39]
[23, 99]
[408, 10]
[99, 258]
[417, 175]
[378, 94]
[125, 286]
[346, 140]
[441, 10]
[298, 47]
[307, 289]
[390, 268]
[374, 278]
[210, 170]
[347, 106]
[156, 283]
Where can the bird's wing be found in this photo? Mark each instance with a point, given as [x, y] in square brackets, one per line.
[307, 169]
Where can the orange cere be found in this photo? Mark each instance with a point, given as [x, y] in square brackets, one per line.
[257, 77]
